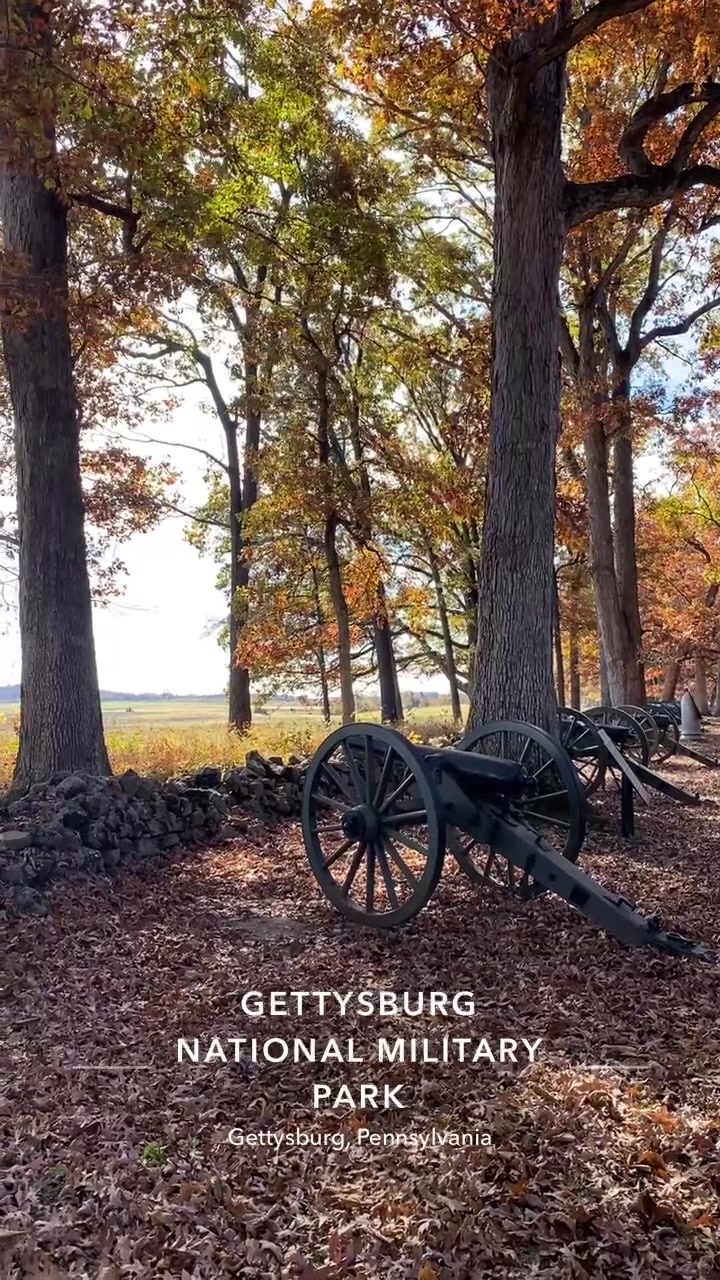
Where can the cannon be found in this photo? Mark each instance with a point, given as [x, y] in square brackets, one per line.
[379, 814]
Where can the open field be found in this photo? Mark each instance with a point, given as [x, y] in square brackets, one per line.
[167, 738]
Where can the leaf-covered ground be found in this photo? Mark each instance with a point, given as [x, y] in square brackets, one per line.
[605, 1157]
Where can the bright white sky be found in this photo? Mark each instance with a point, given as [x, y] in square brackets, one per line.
[152, 639]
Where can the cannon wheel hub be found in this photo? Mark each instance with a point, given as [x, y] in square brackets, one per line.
[361, 823]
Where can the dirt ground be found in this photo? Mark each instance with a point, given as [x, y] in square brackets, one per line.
[605, 1155]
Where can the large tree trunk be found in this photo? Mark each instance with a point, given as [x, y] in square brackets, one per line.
[670, 679]
[60, 717]
[513, 678]
[624, 546]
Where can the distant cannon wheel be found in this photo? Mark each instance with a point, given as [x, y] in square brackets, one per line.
[668, 730]
[637, 746]
[580, 738]
[372, 826]
[554, 805]
[648, 724]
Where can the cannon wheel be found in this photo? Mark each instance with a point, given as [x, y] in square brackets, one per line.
[668, 731]
[365, 791]
[556, 810]
[637, 747]
[580, 738]
[648, 725]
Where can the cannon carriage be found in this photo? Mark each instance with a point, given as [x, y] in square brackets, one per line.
[380, 813]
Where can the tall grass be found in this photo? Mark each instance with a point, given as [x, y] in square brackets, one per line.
[167, 752]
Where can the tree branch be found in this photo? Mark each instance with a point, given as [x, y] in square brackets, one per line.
[573, 33]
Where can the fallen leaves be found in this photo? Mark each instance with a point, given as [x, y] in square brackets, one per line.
[606, 1157]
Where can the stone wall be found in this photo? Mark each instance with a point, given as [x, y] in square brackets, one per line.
[77, 824]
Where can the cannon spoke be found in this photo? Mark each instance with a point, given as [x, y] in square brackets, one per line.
[392, 853]
[329, 802]
[353, 869]
[354, 771]
[387, 876]
[395, 795]
[415, 816]
[383, 779]
[339, 782]
[546, 817]
[411, 844]
[369, 770]
[338, 853]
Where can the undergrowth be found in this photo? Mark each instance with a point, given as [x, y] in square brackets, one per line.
[165, 753]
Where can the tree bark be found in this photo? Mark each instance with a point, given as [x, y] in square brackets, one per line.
[322, 664]
[513, 678]
[700, 691]
[60, 717]
[342, 617]
[337, 591]
[625, 683]
[239, 709]
[716, 703]
[625, 547]
[450, 665]
[559, 661]
[671, 677]
[605, 698]
[574, 664]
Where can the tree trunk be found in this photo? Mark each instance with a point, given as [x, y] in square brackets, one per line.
[322, 664]
[617, 645]
[324, 688]
[672, 675]
[559, 662]
[700, 691]
[60, 716]
[242, 500]
[624, 546]
[390, 709]
[574, 664]
[716, 703]
[605, 698]
[513, 678]
[342, 616]
[239, 708]
[450, 666]
[335, 582]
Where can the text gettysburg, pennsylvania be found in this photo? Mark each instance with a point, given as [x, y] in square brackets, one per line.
[388, 1049]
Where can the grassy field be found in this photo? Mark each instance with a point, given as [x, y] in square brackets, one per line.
[176, 736]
